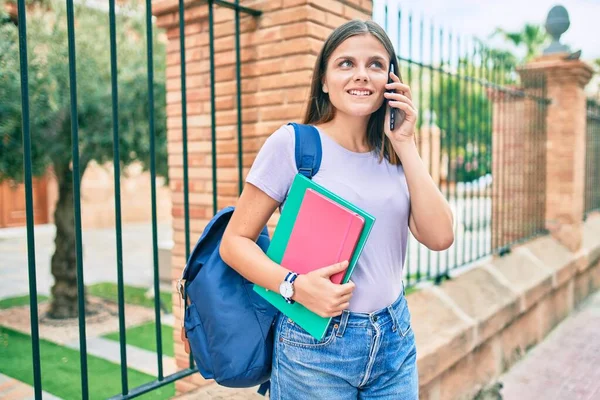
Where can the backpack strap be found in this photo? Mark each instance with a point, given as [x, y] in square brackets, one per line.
[264, 388]
[308, 149]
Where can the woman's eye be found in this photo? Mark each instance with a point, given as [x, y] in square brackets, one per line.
[348, 63]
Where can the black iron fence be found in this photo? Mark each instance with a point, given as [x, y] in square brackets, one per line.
[118, 155]
[482, 134]
[592, 158]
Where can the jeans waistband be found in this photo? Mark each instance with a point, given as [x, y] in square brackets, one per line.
[379, 317]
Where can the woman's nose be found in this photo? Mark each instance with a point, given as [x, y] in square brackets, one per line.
[361, 75]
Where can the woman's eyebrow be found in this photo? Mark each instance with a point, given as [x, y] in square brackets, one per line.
[347, 57]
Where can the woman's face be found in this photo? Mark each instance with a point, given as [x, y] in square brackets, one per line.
[356, 74]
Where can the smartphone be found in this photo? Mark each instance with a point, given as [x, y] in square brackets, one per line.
[396, 115]
[392, 110]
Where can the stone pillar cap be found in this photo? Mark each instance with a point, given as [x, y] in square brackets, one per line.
[557, 66]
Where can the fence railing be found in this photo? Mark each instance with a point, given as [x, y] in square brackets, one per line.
[126, 391]
[474, 116]
[481, 134]
[592, 158]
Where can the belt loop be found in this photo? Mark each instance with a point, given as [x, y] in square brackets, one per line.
[393, 316]
[343, 323]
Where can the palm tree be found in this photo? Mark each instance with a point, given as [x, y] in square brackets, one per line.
[532, 37]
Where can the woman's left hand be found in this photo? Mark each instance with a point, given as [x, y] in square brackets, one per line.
[406, 113]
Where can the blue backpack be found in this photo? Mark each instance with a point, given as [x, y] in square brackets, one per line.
[228, 327]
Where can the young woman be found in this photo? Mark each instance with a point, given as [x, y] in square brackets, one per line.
[369, 349]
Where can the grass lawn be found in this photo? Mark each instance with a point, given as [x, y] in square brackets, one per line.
[409, 290]
[106, 290]
[60, 370]
[20, 301]
[144, 336]
[133, 295]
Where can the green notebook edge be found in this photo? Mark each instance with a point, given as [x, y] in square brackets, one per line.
[311, 322]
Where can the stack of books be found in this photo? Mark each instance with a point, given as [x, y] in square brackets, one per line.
[316, 229]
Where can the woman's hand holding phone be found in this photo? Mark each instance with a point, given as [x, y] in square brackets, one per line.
[399, 98]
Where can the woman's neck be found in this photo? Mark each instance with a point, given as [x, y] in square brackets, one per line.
[350, 133]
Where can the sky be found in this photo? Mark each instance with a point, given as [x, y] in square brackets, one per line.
[481, 17]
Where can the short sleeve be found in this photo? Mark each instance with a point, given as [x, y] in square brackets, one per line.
[274, 168]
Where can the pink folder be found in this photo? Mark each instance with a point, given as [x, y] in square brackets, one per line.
[324, 233]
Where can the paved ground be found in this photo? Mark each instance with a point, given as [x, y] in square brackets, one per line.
[139, 359]
[566, 365]
[99, 257]
[11, 389]
[215, 392]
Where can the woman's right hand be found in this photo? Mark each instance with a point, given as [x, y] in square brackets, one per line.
[316, 292]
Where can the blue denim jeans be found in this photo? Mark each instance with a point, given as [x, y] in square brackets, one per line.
[361, 356]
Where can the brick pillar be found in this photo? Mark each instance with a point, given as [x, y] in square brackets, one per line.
[566, 134]
[278, 51]
[510, 158]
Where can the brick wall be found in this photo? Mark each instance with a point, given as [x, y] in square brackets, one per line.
[278, 51]
[518, 145]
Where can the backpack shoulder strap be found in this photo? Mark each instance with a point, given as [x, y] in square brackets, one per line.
[308, 149]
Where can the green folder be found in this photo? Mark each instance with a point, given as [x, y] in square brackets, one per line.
[311, 322]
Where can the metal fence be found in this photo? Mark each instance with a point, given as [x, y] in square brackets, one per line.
[474, 116]
[126, 391]
[592, 158]
[482, 135]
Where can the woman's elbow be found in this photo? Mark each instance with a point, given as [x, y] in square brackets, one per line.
[225, 248]
[443, 242]
[445, 238]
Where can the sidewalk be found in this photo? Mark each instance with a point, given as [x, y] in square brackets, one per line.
[216, 392]
[12, 389]
[99, 256]
[565, 365]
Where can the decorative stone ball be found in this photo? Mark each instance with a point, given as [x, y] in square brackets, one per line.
[557, 21]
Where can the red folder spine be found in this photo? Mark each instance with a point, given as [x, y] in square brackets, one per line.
[347, 246]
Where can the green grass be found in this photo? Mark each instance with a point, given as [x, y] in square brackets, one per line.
[61, 369]
[19, 301]
[144, 336]
[410, 289]
[133, 295]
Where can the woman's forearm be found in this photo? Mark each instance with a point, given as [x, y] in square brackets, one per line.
[430, 211]
[250, 261]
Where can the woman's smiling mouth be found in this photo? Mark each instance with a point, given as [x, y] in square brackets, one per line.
[359, 92]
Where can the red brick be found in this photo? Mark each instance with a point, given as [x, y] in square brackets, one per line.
[328, 6]
[287, 111]
[286, 80]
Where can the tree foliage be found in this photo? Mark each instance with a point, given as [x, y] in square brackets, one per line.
[531, 37]
[50, 110]
[49, 98]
